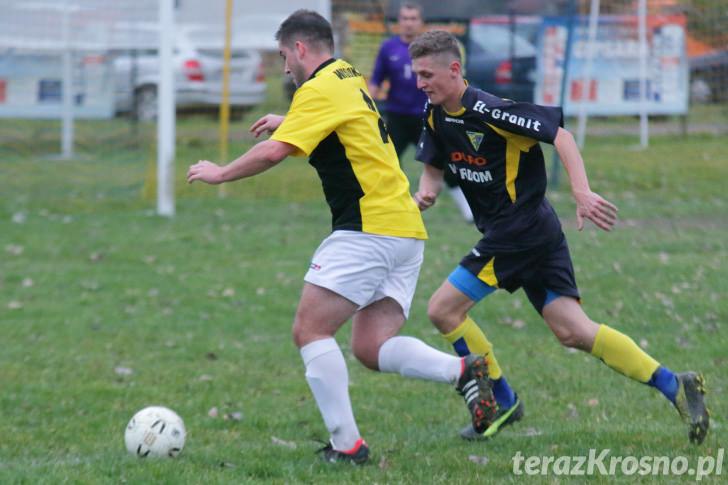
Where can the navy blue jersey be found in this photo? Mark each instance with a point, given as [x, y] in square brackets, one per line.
[492, 147]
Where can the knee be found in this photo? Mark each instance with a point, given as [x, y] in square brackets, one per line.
[367, 353]
[566, 336]
[298, 334]
[302, 329]
[573, 336]
[366, 350]
[442, 316]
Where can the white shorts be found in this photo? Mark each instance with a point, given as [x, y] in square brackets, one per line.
[366, 268]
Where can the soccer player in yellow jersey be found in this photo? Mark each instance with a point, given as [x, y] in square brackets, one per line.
[492, 146]
[367, 268]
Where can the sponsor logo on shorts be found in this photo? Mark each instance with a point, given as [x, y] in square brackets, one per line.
[315, 267]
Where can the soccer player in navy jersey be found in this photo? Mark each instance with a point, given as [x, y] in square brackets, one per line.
[492, 146]
[405, 102]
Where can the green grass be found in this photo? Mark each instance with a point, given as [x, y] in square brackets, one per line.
[200, 308]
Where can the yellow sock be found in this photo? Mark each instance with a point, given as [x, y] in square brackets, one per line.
[620, 353]
[469, 338]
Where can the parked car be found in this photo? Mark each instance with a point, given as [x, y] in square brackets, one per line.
[709, 77]
[501, 55]
[198, 71]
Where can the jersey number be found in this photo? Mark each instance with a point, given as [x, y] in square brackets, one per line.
[382, 127]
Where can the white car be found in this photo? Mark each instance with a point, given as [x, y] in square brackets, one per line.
[198, 72]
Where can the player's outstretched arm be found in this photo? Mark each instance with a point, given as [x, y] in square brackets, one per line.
[267, 124]
[589, 205]
[430, 185]
[258, 159]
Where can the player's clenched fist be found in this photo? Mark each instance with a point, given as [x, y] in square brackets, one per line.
[425, 200]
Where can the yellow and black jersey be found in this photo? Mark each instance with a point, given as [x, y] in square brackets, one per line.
[491, 146]
[334, 121]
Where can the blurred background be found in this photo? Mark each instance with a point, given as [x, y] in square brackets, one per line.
[79, 78]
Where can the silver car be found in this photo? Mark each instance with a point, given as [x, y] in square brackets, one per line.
[198, 68]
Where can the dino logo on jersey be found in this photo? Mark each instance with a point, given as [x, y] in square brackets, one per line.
[475, 139]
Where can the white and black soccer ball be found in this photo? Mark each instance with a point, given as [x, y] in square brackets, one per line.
[155, 431]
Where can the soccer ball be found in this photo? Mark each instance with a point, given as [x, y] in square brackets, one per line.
[155, 431]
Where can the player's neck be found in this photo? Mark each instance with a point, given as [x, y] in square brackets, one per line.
[454, 103]
[407, 39]
[316, 61]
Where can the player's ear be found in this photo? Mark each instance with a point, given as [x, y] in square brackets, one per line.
[455, 68]
[300, 48]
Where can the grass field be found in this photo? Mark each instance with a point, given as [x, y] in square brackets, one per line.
[106, 308]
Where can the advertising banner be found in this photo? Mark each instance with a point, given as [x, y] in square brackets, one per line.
[614, 83]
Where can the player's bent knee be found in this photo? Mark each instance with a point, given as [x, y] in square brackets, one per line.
[367, 354]
[369, 360]
[572, 338]
[298, 334]
[434, 312]
[572, 330]
[307, 328]
[444, 317]
[437, 316]
[437, 310]
[304, 334]
[565, 337]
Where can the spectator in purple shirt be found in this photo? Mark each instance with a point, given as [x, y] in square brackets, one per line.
[405, 103]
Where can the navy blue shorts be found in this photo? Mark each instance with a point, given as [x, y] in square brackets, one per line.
[544, 272]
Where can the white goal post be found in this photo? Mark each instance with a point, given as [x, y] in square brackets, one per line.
[166, 112]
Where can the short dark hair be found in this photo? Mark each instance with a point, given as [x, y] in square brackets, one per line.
[411, 6]
[308, 26]
[435, 42]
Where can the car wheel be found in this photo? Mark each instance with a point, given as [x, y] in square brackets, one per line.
[145, 103]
